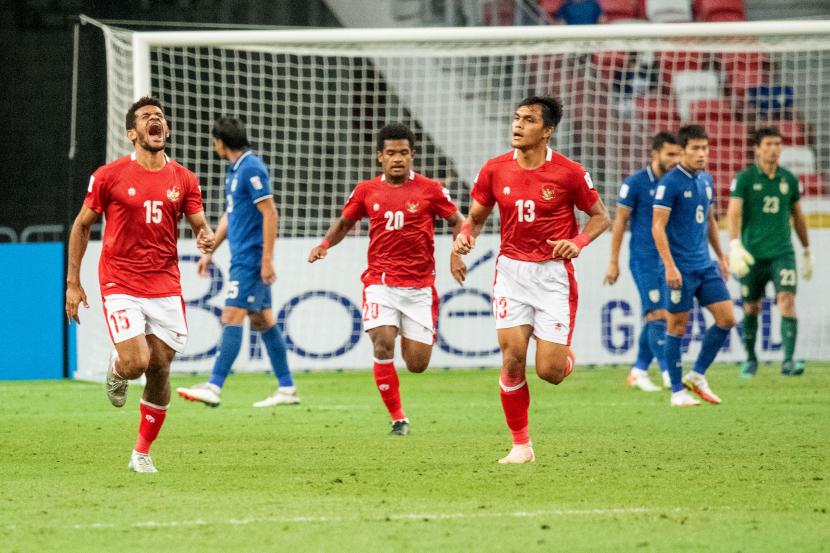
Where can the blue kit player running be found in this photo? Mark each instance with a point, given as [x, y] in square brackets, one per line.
[250, 224]
[635, 205]
[682, 222]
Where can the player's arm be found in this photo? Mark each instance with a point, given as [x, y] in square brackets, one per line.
[218, 237]
[661, 241]
[800, 226]
[204, 235]
[621, 218]
[458, 269]
[337, 231]
[465, 240]
[78, 241]
[269, 236]
[713, 233]
[598, 222]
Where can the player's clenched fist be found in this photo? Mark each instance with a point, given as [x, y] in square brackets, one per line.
[674, 279]
[563, 249]
[75, 296]
[205, 240]
[317, 252]
[458, 269]
[463, 244]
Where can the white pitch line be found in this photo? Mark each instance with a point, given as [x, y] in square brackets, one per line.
[395, 517]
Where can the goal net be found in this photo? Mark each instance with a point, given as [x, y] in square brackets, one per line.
[312, 102]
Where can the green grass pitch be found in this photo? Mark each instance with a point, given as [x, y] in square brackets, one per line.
[616, 470]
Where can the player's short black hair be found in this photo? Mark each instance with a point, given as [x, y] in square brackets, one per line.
[760, 134]
[140, 103]
[662, 138]
[551, 108]
[231, 132]
[691, 132]
[395, 131]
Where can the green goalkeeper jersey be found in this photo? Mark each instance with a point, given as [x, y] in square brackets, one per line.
[768, 203]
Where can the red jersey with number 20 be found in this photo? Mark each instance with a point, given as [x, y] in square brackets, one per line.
[401, 228]
[142, 209]
[535, 205]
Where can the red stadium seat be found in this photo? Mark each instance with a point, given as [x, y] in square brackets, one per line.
[706, 111]
[619, 9]
[672, 62]
[719, 10]
[813, 184]
[659, 112]
[744, 70]
[609, 62]
[792, 132]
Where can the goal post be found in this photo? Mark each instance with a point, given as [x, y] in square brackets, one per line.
[312, 101]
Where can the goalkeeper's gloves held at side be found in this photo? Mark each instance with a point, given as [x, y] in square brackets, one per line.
[739, 259]
[807, 264]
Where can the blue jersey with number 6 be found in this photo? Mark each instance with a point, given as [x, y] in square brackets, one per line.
[688, 195]
[246, 185]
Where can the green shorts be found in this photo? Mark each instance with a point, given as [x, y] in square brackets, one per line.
[780, 270]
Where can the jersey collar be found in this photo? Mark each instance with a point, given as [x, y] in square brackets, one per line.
[651, 176]
[166, 157]
[548, 155]
[686, 171]
[411, 176]
[238, 161]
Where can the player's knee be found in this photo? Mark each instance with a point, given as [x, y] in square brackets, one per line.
[553, 372]
[133, 364]
[513, 363]
[786, 304]
[416, 365]
[384, 351]
[726, 320]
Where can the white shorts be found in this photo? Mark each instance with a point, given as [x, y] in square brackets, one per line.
[542, 295]
[129, 316]
[412, 310]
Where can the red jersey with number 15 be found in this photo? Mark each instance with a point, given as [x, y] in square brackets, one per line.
[142, 209]
[401, 228]
[535, 205]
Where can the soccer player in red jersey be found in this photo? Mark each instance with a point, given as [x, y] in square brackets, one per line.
[399, 295]
[535, 290]
[142, 196]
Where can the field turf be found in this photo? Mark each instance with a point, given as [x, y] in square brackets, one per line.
[616, 470]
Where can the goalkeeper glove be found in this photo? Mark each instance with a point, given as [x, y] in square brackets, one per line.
[807, 265]
[739, 259]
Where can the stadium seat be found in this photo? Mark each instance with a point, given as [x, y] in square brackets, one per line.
[657, 111]
[691, 86]
[619, 10]
[719, 10]
[744, 70]
[669, 11]
[607, 63]
[792, 132]
[771, 102]
[673, 62]
[801, 160]
[813, 184]
[706, 111]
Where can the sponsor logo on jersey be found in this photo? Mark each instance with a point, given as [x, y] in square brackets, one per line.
[651, 192]
[376, 207]
[547, 193]
[654, 295]
[173, 194]
[757, 186]
[687, 194]
[506, 190]
[131, 191]
[412, 207]
[784, 187]
[676, 296]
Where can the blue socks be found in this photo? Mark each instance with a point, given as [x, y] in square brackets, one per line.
[275, 345]
[228, 350]
[712, 341]
[644, 351]
[657, 341]
[672, 359]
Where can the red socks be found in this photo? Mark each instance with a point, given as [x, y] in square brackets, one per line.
[152, 417]
[387, 381]
[515, 400]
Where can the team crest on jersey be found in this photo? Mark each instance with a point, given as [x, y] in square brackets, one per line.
[687, 194]
[131, 191]
[547, 193]
[173, 194]
[506, 190]
[412, 207]
[784, 187]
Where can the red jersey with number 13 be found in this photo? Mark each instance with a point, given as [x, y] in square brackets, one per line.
[401, 228]
[142, 210]
[535, 205]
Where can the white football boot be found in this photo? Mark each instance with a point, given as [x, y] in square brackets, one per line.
[683, 399]
[205, 392]
[116, 386]
[141, 462]
[697, 383]
[283, 396]
[639, 379]
[520, 453]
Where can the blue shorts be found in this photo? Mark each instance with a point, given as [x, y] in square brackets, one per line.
[246, 289]
[651, 283]
[706, 284]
